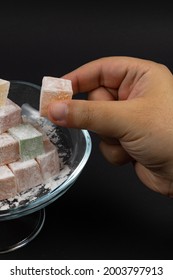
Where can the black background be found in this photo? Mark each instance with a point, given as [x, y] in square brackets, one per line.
[108, 213]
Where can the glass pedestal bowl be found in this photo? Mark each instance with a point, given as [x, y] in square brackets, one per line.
[22, 217]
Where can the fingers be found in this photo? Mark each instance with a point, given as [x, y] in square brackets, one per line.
[107, 118]
[153, 181]
[108, 72]
[102, 93]
[104, 118]
[114, 154]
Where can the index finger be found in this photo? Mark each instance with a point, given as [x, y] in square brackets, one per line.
[107, 72]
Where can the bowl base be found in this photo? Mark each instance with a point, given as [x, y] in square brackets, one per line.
[18, 232]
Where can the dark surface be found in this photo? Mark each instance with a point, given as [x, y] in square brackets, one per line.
[108, 213]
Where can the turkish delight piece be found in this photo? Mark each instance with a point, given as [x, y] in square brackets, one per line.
[10, 115]
[53, 89]
[8, 187]
[4, 90]
[9, 149]
[30, 140]
[49, 161]
[27, 174]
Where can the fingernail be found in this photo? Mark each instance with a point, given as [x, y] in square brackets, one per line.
[58, 111]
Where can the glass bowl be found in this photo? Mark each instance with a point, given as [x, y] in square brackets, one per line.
[74, 148]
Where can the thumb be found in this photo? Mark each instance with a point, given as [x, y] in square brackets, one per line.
[109, 118]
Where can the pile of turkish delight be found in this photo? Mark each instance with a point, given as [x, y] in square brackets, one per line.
[27, 157]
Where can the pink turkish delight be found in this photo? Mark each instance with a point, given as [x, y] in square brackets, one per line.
[9, 149]
[27, 174]
[54, 89]
[8, 186]
[10, 115]
[4, 90]
[49, 161]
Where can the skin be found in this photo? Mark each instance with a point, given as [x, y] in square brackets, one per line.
[130, 106]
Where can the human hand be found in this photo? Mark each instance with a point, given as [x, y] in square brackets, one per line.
[130, 105]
